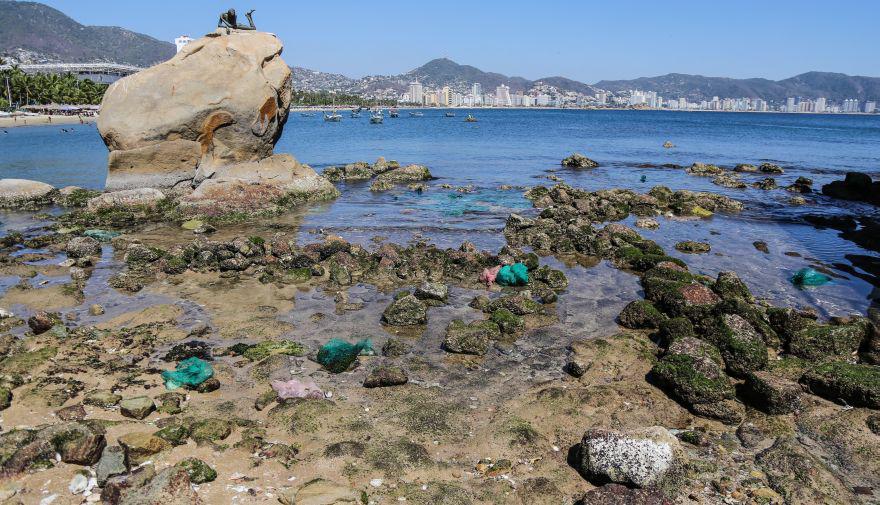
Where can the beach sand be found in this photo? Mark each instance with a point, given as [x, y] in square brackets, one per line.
[43, 119]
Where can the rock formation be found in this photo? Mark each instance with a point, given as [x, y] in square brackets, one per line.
[214, 111]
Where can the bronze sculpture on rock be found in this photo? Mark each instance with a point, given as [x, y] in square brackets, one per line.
[229, 20]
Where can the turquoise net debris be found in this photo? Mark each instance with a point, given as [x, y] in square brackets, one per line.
[809, 277]
[190, 372]
[513, 275]
[337, 355]
[101, 235]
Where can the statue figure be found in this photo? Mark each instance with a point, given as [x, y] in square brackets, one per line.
[229, 20]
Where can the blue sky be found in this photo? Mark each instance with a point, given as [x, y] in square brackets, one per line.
[585, 40]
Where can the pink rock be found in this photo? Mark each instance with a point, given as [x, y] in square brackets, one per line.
[295, 388]
[488, 276]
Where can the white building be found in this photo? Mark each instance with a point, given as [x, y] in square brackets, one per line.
[181, 41]
[502, 96]
[870, 107]
[851, 105]
[819, 105]
[416, 93]
[477, 92]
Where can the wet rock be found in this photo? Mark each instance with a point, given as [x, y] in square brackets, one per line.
[82, 247]
[689, 246]
[640, 314]
[704, 169]
[24, 194]
[578, 160]
[139, 255]
[801, 185]
[111, 464]
[406, 311]
[320, 492]
[43, 321]
[175, 433]
[69, 413]
[856, 186]
[384, 376]
[640, 457]
[409, 173]
[761, 246]
[199, 472]
[799, 476]
[770, 168]
[209, 385]
[139, 446]
[116, 486]
[742, 348]
[171, 486]
[647, 223]
[728, 285]
[76, 442]
[102, 398]
[773, 393]
[855, 385]
[433, 292]
[745, 167]
[138, 407]
[96, 310]
[767, 183]
[193, 348]
[395, 348]
[210, 430]
[508, 322]
[517, 304]
[728, 180]
[470, 338]
[617, 494]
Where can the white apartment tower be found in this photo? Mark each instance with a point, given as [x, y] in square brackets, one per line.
[502, 96]
[416, 92]
[181, 41]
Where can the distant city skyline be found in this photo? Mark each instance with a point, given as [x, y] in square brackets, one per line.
[587, 41]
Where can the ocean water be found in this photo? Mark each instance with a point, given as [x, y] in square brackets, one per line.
[523, 147]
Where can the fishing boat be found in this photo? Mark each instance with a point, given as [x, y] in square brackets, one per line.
[333, 117]
[470, 119]
[393, 113]
[415, 113]
[450, 114]
[376, 116]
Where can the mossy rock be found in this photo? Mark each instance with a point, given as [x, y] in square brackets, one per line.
[507, 321]
[640, 314]
[741, 346]
[199, 472]
[27, 361]
[470, 338]
[210, 430]
[174, 434]
[673, 329]
[857, 385]
[729, 286]
[517, 304]
[266, 348]
[693, 247]
[823, 341]
[554, 279]
[693, 375]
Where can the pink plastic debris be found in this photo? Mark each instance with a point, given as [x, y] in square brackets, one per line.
[488, 276]
[297, 389]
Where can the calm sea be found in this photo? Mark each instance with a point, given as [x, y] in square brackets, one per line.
[523, 147]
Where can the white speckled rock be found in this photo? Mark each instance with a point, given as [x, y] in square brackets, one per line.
[640, 457]
[126, 198]
[17, 192]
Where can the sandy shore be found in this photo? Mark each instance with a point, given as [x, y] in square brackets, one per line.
[43, 119]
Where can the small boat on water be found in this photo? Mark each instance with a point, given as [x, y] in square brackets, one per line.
[376, 117]
[393, 113]
[450, 114]
[355, 114]
[415, 113]
[470, 119]
[333, 117]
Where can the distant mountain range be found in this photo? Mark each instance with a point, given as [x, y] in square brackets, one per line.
[31, 32]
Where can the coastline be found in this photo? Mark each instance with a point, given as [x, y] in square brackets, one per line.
[43, 120]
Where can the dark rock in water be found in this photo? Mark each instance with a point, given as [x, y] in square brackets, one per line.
[507, 321]
[199, 472]
[43, 321]
[194, 348]
[111, 464]
[406, 311]
[856, 385]
[640, 314]
[578, 160]
[745, 167]
[690, 246]
[761, 246]
[766, 184]
[516, 304]
[729, 286]
[855, 186]
[770, 168]
[618, 494]
[704, 169]
[801, 185]
[471, 338]
[431, 292]
[384, 376]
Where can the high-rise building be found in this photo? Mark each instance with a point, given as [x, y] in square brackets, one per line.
[182, 41]
[416, 92]
[602, 97]
[789, 105]
[445, 97]
[870, 107]
[851, 105]
[819, 105]
[682, 103]
[502, 96]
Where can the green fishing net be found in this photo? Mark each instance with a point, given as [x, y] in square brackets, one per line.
[190, 372]
[809, 277]
[337, 355]
[513, 275]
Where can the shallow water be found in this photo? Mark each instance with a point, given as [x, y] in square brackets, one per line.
[521, 148]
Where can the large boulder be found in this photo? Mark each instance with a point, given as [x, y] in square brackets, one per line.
[221, 101]
[641, 457]
[22, 193]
